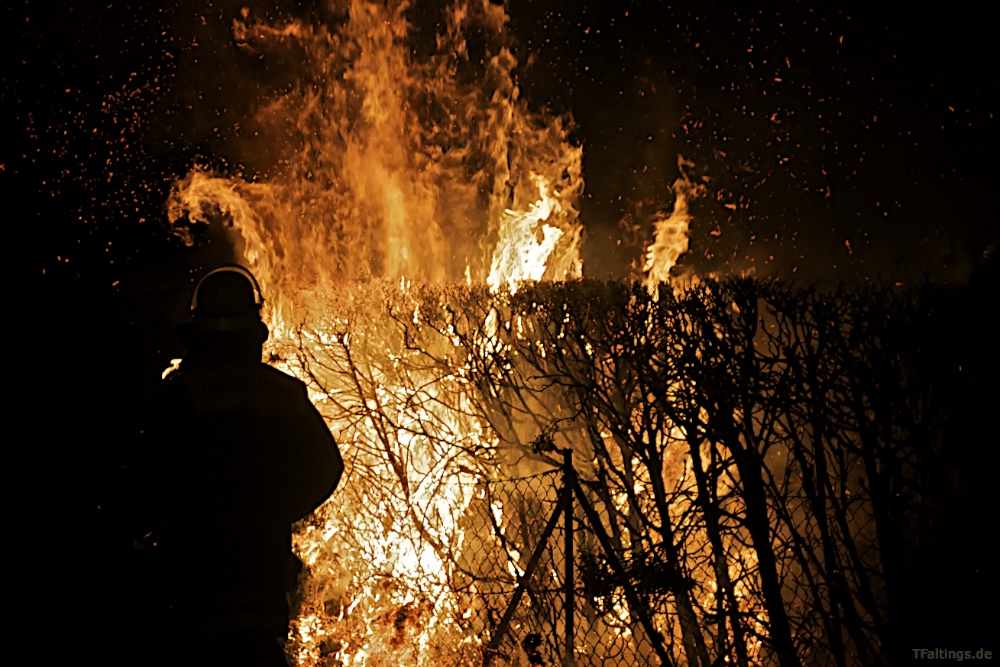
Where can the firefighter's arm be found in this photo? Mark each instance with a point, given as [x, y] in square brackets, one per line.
[321, 464]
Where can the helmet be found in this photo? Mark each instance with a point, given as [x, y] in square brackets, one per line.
[227, 298]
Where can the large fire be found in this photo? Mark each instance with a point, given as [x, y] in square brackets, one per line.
[402, 171]
[429, 169]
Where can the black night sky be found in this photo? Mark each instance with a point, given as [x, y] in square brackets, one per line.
[838, 142]
[846, 143]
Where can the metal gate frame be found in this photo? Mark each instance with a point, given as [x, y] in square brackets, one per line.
[571, 488]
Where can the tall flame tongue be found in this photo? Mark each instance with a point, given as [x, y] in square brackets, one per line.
[412, 170]
[671, 232]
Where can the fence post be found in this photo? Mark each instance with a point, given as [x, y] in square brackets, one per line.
[490, 652]
[569, 481]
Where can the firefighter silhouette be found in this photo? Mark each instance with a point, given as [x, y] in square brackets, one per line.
[238, 454]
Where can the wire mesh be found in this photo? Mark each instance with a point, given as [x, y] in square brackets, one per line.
[505, 525]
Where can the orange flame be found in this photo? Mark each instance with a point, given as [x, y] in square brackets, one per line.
[671, 232]
[392, 166]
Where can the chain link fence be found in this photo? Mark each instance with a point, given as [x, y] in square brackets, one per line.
[552, 591]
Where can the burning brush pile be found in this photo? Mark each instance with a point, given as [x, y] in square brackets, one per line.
[743, 444]
[740, 451]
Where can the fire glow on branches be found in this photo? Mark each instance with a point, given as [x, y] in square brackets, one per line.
[414, 197]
